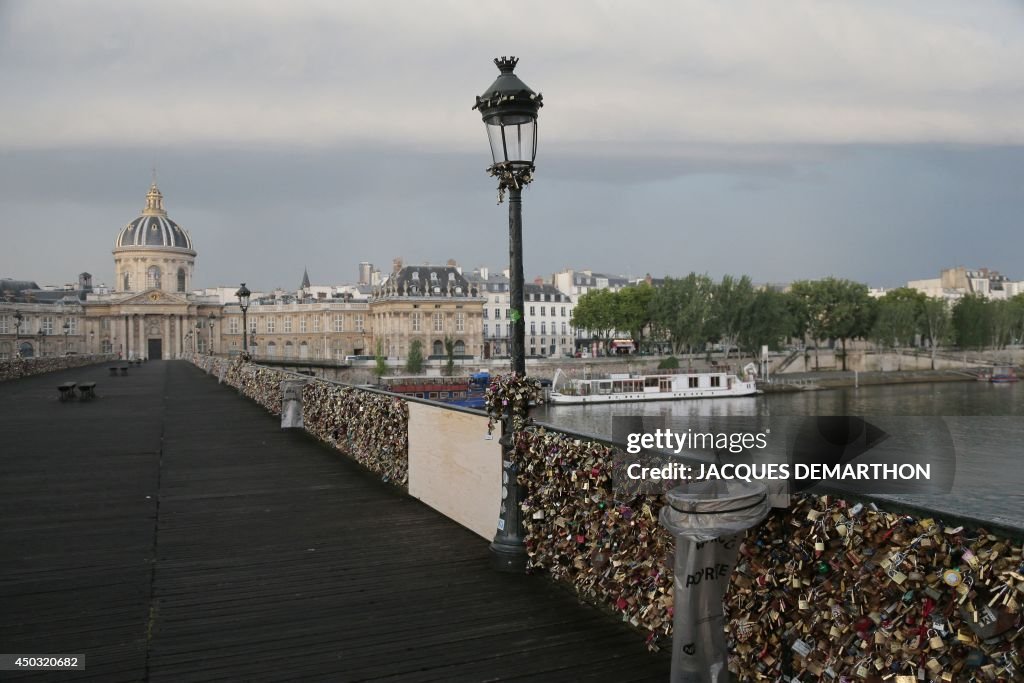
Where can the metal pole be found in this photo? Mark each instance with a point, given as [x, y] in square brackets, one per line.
[508, 552]
[515, 247]
[245, 333]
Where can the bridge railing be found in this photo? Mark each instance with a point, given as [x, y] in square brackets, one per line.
[24, 367]
[876, 568]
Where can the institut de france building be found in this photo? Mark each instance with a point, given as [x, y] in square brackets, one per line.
[153, 312]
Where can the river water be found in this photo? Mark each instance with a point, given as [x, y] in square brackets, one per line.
[985, 421]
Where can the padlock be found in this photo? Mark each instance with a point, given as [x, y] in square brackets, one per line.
[935, 640]
[804, 603]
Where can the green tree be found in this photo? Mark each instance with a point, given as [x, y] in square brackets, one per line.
[972, 322]
[596, 311]
[898, 320]
[835, 310]
[935, 323]
[414, 363]
[381, 367]
[766, 320]
[731, 299]
[682, 308]
[1006, 316]
[633, 311]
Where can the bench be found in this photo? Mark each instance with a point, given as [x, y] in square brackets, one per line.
[67, 391]
[113, 372]
[87, 390]
[124, 370]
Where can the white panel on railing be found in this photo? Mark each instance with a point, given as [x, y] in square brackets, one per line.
[453, 468]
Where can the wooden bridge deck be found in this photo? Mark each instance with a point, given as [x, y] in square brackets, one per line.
[170, 531]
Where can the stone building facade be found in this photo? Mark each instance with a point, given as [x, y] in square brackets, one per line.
[152, 311]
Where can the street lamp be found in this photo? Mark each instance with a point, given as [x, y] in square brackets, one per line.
[212, 318]
[92, 341]
[199, 331]
[509, 110]
[243, 295]
[18, 317]
[67, 329]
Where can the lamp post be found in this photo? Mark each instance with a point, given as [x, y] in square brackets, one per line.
[67, 330]
[18, 318]
[92, 341]
[199, 331]
[211, 318]
[509, 111]
[243, 295]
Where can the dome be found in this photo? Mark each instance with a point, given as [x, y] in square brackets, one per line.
[153, 228]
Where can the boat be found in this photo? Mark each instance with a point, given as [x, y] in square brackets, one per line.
[629, 387]
[467, 392]
[1003, 374]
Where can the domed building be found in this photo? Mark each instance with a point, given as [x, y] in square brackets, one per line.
[153, 252]
[151, 313]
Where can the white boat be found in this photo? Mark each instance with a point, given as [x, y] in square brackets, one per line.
[659, 387]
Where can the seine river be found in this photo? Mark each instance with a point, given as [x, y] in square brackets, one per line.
[985, 422]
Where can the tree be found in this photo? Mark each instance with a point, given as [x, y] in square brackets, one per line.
[449, 352]
[414, 363]
[633, 311]
[731, 298]
[935, 323]
[972, 322]
[766, 320]
[682, 308]
[381, 367]
[1006, 315]
[836, 310]
[596, 311]
[898, 320]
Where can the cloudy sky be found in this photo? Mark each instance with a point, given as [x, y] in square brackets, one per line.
[878, 141]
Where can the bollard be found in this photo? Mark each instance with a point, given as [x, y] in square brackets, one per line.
[291, 403]
[707, 519]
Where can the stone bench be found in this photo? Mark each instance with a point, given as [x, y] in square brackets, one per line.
[124, 370]
[67, 391]
[113, 371]
[87, 391]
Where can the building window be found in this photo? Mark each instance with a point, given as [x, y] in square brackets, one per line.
[485, 314]
[497, 314]
[252, 326]
[460, 322]
[563, 311]
[153, 277]
[4, 322]
[438, 348]
[271, 324]
[438, 322]
[417, 321]
[544, 310]
[233, 325]
[316, 325]
[543, 328]
[287, 327]
[339, 323]
[497, 329]
[508, 312]
[181, 279]
[271, 350]
[531, 310]
[127, 282]
[485, 329]
[288, 349]
[46, 325]
[533, 328]
[460, 348]
[563, 329]
[72, 325]
[302, 324]
[106, 346]
[359, 322]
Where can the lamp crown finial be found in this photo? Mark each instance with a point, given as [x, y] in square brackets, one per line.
[506, 64]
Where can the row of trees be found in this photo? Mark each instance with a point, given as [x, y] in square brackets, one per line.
[688, 313]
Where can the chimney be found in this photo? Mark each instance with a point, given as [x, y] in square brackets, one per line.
[484, 272]
[365, 270]
[85, 282]
[396, 265]
[539, 281]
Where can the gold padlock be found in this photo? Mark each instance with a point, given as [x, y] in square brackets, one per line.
[935, 640]
[804, 603]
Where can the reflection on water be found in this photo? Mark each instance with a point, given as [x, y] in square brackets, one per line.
[985, 421]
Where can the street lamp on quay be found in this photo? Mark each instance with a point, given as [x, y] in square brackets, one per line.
[18, 318]
[243, 295]
[211, 318]
[509, 109]
[199, 332]
[67, 330]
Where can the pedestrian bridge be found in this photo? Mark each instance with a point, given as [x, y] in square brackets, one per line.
[170, 530]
